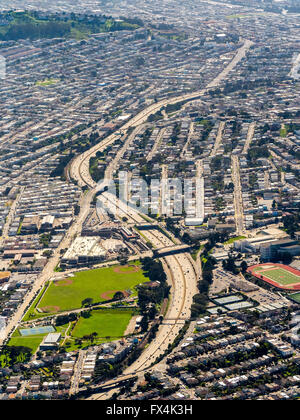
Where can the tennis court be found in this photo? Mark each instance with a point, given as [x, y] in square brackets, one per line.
[37, 330]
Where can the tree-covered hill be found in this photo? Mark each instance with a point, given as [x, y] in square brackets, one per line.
[32, 25]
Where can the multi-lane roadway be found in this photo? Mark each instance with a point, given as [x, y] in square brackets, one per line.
[80, 167]
[184, 286]
[184, 277]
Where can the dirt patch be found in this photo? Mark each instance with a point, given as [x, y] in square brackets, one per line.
[5, 275]
[134, 269]
[131, 326]
[110, 293]
[50, 309]
[65, 282]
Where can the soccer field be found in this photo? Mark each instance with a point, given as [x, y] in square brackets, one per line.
[100, 285]
[281, 276]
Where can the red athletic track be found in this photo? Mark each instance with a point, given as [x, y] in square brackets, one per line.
[295, 286]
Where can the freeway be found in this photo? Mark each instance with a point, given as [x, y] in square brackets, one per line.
[184, 277]
[80, 166]
[184, 286]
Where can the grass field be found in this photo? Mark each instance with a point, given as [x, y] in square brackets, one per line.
[296, 297]
[232, 240]
[280, 275]
[106, 323]
[30, 314]
[109, 325]
[100, 285]
[32, 341]
[283, 131]
[47, 82]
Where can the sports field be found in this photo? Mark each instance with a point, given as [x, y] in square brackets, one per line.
[36, 331]
[281, 276]
[295, 297]
[32, 342]
[106, 323]
[100, 285]
[34, 339]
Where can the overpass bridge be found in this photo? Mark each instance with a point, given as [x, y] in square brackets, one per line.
[171, 250]
[146, 226]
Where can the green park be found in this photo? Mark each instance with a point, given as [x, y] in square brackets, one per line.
[99, 284]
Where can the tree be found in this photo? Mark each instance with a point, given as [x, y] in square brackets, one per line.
[65, 319]
[45, 239]
[86, 314]
[152, 312]
[244, 266]
[229, 265]
[118, 296]
[144, 324]
[39, 354]
[123, 260]
[87, 302]
[48, 253]
[93, 336]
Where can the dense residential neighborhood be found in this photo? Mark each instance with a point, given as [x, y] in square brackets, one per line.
[150, 200]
